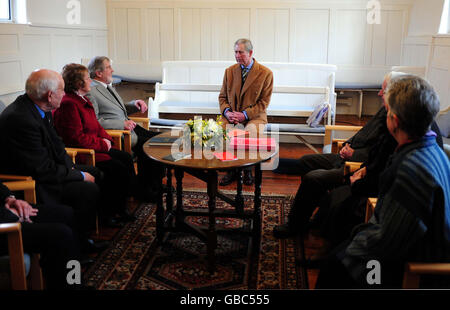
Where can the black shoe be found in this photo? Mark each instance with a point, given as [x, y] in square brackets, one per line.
[227, 179]
[310, 263]
[126, 217]
[83, 287]
[86, 261]
[248, 178]
[284, 231]
[148, 196]
[112, 222]
[94, 247]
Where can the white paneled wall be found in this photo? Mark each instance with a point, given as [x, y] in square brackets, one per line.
[439, 69]
[25, 48]
[144, 33]
[49, 41]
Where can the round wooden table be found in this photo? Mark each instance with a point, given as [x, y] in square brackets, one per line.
[205, 167]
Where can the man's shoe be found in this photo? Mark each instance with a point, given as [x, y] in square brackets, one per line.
[126, 217]
[148, 196]
[227, 179]
[86, 261]
[95, 247]
[284, 231]
[310, 263]
[248, 178]
[112, 222]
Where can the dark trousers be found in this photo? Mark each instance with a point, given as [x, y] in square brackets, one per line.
[320, 173]
[83, 197]
[150, 172]
[333, 274]
[345, 211]
[52, 237]
[118, 182]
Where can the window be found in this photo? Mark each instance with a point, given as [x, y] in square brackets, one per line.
[445, 18]
[5, 10]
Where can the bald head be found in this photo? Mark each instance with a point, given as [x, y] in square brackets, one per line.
[46, 88]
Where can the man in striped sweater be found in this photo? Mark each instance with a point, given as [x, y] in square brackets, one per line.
[411, 221]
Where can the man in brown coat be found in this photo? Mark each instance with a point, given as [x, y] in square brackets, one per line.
[245, 96]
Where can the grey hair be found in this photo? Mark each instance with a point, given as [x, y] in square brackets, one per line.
[37, 89]
[415, 103]
[247, 44]
[392, 75]
[97, 64]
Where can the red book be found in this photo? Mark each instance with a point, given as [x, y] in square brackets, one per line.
[225, 156]
[253, 143]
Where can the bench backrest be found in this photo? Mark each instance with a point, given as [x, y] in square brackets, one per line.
[285, 74]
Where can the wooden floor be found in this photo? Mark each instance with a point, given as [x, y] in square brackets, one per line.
[273, 183]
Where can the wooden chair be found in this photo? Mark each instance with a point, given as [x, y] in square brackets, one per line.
[14, 233]
[336, 144]
[413, 270]
[118, 133]
[144, 122]
[73, 152]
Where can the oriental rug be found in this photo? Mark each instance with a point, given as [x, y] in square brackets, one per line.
[136, 261]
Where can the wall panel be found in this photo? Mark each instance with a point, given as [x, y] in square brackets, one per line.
[9, 43]
[325, 31]
[166, 28]
[349, 40]
[13, 80]
[311, 36]
[121, 34]
[40, 45]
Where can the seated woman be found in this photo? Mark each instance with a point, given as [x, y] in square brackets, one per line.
[76, 122]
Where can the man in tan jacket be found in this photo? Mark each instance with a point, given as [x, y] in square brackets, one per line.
[245, 96]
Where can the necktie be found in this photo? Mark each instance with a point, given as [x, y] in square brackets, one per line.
[109, 88]
[244, 75]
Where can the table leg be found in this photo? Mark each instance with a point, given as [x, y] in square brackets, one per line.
[169, 197]
[239, 198]
[360, 103]
[179, 211]
[257, 208]
[160, 213]
[212, 234]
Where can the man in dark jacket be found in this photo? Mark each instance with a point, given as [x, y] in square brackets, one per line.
[31, 146]
[46, 229]
[321, 173]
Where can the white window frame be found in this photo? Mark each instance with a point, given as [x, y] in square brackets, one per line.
[444, 27]
[8, 20]
[17, 12]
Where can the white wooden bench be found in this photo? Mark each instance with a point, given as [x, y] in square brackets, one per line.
[192, 87]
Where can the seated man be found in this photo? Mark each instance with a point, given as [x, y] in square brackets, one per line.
[321, 173]
[411, 220]
[112, 113]
[30, 146]
[45, 230]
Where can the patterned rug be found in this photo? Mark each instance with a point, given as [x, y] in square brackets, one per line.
[136, 261]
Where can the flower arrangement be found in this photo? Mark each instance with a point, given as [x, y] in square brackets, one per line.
[209, 133]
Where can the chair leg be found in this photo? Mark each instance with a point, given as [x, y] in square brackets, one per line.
[97, 231]
[37, 282]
